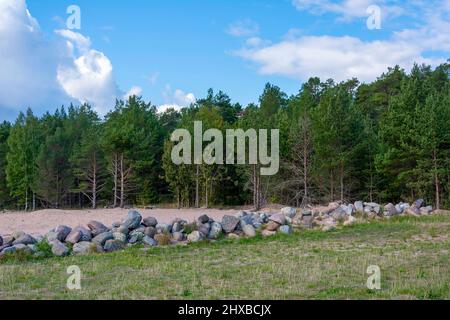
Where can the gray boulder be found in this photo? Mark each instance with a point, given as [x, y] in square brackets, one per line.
[177, 227]
[82, 248]
[229, 223]
[398, 209]
[215, 231]
[359, 206]
[1, 241]
[390, 210]
[340, 213]
[8, 240]
[426, 210]
[119, 236]
[150, 222]
[149, 241]
[85, 234]
[278, 218]
[18, 234]
[8, 250]
[289, 212]
[249, 230]
[178, 236]
[133, 220]
[113, 245]
[25, 239]
[62, 232]
[285, 229]
[136, 237]
[97, 228]
[123, 229]
[204, 229]
[419, 203]
[150, 232]
[163, 228]
[272, 226]
[203, 219]
[59, 249]
[195, 236]
[74, 236]
[102, 238]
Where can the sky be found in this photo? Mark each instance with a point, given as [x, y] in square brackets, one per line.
[172, 51]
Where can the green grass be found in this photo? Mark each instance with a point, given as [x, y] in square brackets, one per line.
[413, 254]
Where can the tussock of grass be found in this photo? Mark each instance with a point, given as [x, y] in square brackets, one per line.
[306, 265]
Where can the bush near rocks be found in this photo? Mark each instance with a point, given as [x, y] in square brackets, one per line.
[134, 230]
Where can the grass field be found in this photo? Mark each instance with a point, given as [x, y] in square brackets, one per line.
[413, 254]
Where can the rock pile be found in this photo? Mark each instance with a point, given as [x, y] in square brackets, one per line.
[133, 230]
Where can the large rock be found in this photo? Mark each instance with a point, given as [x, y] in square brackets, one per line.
[62, 232]
[119, 236]
[97, 228]
[203, 219]
[359, 206]
[425, 211]
[178, 236]
[195, 236]
[82, 248]
[150, 222]
[163, 228]
[350, 221]
[8, 240]
[249, 230]
[102, 238]
[412, 211]
[59, 249]
[74, 236]
[285, 229]
[18, 234]
[278, 218]
[113, 245]
[215, 231]
[1, 241]
[340, 213]
[86, 235]
[136, 237]
[204, 229]
[150, 232]
[272, 226]
[133, 220]
[8, 250]
[289, 212]
[390, 210]
[419, 203]
[25, 239]
[229, 223]
[268, 233]
[148, 241]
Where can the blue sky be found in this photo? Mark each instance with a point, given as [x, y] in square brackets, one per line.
[172, 51]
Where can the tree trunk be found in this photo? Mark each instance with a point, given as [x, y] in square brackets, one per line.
[122, 182]
[342, 182]
[94, 185]
[115, 176]
[206, 194]
[197, 200]
[436, 181]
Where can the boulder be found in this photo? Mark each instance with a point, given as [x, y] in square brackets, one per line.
[148, 241]
[150, 232]
[289, 212]
[285, 229]
[413, 211]
[278, 218]
[268, 233]
[426, 210]
[116, 224]
[359, 206]
[419, 203]
[233, 236]
[123, 229]
[195, 236]
[150, 222]
[74, 236]
[249, 231]
[86, 235]
[177, 226]
[272, 226]
[203, 219]
[119, 236]
[390, 210]
[102, 238]
[23, 248]
[307, 221]
[204, 229]
[178, 236]
[8, 250]
[24, 239]
[59, 249]
[215, 231]
[133, 220]
[113, 245]
[162, 239]
[97, 228]
[229, 223]
[340, 213]
[18, 234]
[62, 232]
[136, 237]
[350, 221]
[8, 240]
[84, 247]
[398, 209]
[1, 241]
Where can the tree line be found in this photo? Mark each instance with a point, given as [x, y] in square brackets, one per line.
[384, 141]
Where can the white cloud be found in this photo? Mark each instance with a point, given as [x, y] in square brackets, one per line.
[163, 108]
[343, 57]
[134, 91]
[347, 9]
[177, 99]
[243, 28]
[47, 74]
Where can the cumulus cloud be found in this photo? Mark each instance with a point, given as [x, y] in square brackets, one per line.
[343, 57]
[177, 99]
[243, 28]
[347, 9]
[134, 91]
[41, 73]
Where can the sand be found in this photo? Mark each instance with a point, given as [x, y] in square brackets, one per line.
[40, 222]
